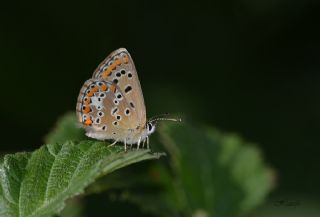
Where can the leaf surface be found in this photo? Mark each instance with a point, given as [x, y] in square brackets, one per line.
[38, 183]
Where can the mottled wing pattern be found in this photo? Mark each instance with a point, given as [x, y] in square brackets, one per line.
[119, 68]
[103, 110]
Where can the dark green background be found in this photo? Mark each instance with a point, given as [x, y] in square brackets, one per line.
[245, 66]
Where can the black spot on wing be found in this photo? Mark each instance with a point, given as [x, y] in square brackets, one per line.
[128, 89]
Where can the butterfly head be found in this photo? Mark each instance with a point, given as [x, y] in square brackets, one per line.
[151, 124]
[151, 127]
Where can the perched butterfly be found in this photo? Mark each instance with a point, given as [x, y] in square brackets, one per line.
[110, 105]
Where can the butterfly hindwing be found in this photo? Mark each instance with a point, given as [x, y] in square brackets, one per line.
[119, 69]
[103, 110]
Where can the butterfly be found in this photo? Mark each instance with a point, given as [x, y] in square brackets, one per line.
[110, 105]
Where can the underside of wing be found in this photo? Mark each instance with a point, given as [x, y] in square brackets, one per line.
[104, 112]
[119, 69]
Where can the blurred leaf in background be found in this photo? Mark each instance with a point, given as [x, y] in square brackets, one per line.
[211, 174]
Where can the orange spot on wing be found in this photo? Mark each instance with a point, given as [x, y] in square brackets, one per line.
[118, 62]
[104, 87]
[106, 73]
[88, 121]
[86, 101]
[86, 109]
[113, 88]
[113, 65]
[90, 93]
[125, 59]
[95, 88]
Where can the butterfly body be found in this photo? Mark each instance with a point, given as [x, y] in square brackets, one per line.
[110, 105]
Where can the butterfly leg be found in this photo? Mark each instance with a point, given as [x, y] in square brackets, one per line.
[144, 142]
[125, 145]
[113, 143]
[148, 142]
[138, 145]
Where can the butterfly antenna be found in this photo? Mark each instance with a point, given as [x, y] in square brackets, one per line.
[158, 116]
[164, 117]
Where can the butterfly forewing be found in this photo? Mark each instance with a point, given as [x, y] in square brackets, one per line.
[119, 69]
[103, 110]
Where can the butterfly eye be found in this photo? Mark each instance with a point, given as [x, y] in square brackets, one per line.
[150, 128]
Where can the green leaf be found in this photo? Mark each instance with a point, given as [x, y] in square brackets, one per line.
[66, 129]
[214, 174]
[38, 183]
[153, 193]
